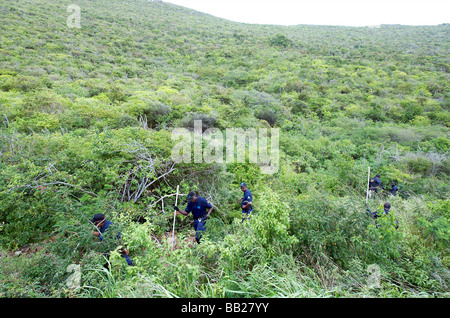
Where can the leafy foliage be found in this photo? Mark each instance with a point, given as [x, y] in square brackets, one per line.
[86, 116]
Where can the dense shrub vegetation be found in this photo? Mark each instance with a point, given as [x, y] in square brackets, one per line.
[86, 116]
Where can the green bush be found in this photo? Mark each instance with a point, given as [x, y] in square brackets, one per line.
[436, 224]
[268, 116]
[207, 121]
[28, 216]
[280, 40]
[271, 224]
[238, 78]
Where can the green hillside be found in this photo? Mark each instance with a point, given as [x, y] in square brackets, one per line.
[86, 121]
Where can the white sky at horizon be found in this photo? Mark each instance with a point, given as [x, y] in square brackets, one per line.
[325, 12]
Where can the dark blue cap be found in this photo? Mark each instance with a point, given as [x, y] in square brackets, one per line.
[98, 217]
[190, 195]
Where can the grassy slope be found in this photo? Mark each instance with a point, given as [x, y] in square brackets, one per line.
[344, 98]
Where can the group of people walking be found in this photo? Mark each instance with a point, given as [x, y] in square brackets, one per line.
[197, 205]
[201, 208]
[374, 185]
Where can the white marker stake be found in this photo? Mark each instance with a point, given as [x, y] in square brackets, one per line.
[368, 181]
[174, 215]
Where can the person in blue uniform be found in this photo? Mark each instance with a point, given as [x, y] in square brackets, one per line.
[246, 202]
[386, 208]
[200, 209]
[394, 189]
[374, 184]
[102, 224]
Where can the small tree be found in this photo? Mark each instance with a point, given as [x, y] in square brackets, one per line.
[271, 224]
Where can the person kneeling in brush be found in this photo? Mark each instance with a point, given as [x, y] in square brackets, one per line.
[102, 224]
[246, 202]
[386, 207]
[201, 209]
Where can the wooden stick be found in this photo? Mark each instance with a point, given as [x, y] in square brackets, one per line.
[368, 181]
[174, 215]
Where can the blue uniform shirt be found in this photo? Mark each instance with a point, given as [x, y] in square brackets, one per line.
[104, 227]
[375, 183]
[394, 190]
[102, 230]
[199, 208]
[247, 197]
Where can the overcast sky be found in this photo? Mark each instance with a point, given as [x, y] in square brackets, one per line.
[326, 12]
